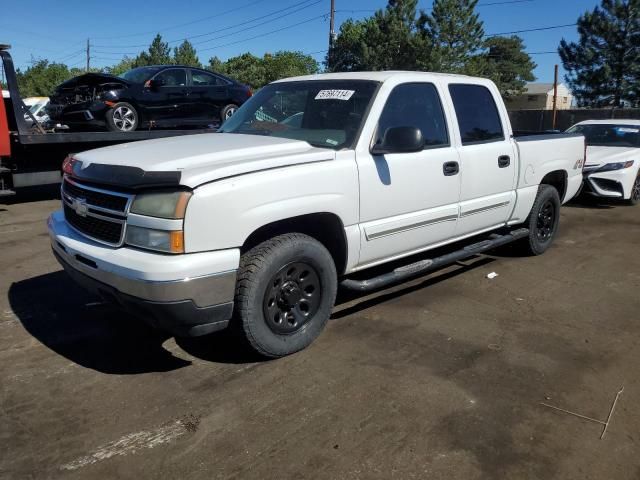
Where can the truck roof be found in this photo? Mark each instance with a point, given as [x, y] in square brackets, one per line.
[376, 76]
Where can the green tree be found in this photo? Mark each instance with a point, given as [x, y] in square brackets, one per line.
[159, 53]
[507, 64]
[246, 68]
[456, 33]
[216, 65]
[284, 64]
[604, 65]
[41, 78]
[185, 54]
[127, 63]
[388, 40]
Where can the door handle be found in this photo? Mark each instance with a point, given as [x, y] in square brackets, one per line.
[504, 161]
[450, 168]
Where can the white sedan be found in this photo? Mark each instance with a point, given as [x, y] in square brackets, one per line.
[613, 158]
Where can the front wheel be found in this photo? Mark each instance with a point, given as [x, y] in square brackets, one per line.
[285, 292]
[635, 192]
[542, 221]
[122, 117]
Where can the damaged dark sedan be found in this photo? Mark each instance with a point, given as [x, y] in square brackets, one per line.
[169, 96]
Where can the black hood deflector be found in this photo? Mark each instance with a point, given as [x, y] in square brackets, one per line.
[124, 176]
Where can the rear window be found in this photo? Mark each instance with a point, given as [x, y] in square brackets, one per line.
[477, 113]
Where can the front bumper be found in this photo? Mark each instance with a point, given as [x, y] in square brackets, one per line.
[186, 295]
[613, 184]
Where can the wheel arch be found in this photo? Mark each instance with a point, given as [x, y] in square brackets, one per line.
[325, 227]
[557, 179]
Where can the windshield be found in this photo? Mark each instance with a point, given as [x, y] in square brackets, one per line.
[140, 74]
[324, 113]
[609, 135]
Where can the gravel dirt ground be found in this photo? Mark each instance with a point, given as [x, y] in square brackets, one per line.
[438, 378]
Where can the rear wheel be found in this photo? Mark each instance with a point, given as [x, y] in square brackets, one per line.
[227, 112]
[285, 292]
[635, 192]
[542, 221]
[122, 117]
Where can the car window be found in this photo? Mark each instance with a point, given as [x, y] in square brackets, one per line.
[477, 113]
[415, 105]
[203, 79]
[175, 77]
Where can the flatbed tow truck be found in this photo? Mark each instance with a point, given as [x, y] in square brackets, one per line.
[31, 156]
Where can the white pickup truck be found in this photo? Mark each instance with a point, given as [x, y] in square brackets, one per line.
[314, 179]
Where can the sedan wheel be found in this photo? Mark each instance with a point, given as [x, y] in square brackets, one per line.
[122, 118]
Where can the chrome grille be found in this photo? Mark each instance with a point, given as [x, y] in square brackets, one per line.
[96, 213]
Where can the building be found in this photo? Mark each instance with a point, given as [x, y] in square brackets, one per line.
[539, 96]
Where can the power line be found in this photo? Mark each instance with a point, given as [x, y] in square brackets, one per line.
[229, 27]
[202, 19]
[504, 2]
[532, 30]
[324, 15]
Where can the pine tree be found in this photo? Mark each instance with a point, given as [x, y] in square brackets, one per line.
[159, 53]
[185, 54]
[604, 65]
[456, 32]
[507, 64]
[387, 41]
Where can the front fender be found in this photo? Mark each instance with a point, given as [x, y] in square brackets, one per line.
[224, 213]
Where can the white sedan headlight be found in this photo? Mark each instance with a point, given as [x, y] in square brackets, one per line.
[609, 167]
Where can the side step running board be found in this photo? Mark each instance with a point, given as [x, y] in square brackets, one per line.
[424, 266]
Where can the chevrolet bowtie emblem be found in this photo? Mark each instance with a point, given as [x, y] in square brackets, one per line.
[80, 206]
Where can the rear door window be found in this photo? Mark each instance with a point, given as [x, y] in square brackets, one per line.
[415, 105]
[478, 117]
[200, 79]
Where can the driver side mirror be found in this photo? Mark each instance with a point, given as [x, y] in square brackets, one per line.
[155, 83]
[399, 140]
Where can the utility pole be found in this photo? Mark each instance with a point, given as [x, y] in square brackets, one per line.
[88, 55]
[555, 97]
[332, 20]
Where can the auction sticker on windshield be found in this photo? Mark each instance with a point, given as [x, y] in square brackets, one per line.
[334, 94]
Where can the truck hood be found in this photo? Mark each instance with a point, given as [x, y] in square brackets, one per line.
[598, 156]
[191, 160]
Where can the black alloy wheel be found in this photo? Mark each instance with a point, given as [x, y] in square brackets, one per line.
[546, 221]
[542, 221]
[292, 297]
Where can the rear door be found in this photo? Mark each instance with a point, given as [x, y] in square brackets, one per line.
[488, 161]
[209, 94]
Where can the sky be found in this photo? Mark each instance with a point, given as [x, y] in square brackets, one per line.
[58, 31]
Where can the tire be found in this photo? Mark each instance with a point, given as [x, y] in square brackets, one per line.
[122, 117]
[285, 291]
[542, 221]
[635, 192]
[227, 112]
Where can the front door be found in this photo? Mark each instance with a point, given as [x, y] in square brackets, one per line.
[488, 160]
[165, 101]
[409, 201]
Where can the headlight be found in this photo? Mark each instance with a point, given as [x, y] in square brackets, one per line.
[161, 240]
[608, 167]
[161, 204]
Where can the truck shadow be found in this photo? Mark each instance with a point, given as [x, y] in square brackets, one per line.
[80, 327]
[99, 336]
